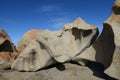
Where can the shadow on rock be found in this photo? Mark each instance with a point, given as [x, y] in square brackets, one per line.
[98, 70]
[58, 66]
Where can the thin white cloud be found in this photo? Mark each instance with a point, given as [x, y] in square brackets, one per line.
[58, 23]
[49, 8]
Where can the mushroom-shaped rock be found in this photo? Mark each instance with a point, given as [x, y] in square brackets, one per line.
[71, 41]
[59, 46]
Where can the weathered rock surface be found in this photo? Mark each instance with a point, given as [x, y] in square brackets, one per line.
[32, 58]
[49, 51]
[102, 49]
[6, 59]
[30, 35]
[114, 22]
[6, 44]
[4, 34]
[57, 72]
[60, 46]
[65, 44]
[106, 49]
[6, 50]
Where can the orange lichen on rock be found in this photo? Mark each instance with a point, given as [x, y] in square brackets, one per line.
[30, 35]
[7, 55]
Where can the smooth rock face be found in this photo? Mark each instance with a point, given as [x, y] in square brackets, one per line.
[102, 49]
[32, 58]
[65, 44]
[60, 46]
[30, 35]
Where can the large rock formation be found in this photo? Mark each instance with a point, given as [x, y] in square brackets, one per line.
[114, 22]
[76, 42]
[6, 50]
[106, 49]
[6, 43]
[59, 46]
[32, 58]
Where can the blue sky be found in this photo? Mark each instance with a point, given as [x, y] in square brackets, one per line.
[19, 16]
